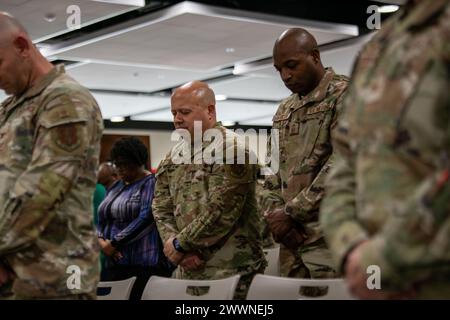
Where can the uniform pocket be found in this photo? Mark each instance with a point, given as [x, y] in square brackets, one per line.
[309, 129]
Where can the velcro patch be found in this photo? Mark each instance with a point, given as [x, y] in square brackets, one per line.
[319, 108]
[66, 137]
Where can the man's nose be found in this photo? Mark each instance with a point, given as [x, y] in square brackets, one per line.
[285, 74]
[178, 118]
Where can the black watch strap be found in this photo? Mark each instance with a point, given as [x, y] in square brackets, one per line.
[177, 246]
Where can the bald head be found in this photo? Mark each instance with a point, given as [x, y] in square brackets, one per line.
[22, 63]
[10, 28]
[197, 91]
[296, 57]
[107, 174]
[298, 39]
[194, 101]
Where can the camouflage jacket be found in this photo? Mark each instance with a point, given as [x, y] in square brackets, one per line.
[304, 125]
[389, 182]
[49, 149]
[211, 209]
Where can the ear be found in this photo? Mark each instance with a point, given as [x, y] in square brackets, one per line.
[22, 45]
[212, 110]
[316, 55]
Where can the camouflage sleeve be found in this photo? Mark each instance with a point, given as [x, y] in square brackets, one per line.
[337, 216]
[62, 135]
[271, 197]
[338, 213]
[415, 244]
[163, 208]
[309, 199]
[228, 188]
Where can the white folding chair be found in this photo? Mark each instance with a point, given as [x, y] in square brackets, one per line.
[265, 287]
[159, 288]
[119, 290]
[273, 261]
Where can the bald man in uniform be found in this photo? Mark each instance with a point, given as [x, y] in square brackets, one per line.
[206, 211]
[50, 130]
[305, 121]
[107, 174]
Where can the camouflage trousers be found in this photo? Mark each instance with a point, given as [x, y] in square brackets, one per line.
[313, 261]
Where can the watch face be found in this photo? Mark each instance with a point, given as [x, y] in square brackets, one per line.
[177, 245]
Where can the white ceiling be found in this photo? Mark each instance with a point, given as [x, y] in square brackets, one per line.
[125, 105]
[252, 87]
[167, 48]
[263, 121]
[47, 18]
[133, 78]
[191, 41]
[226, 111]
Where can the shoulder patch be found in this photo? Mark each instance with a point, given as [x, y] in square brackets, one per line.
[66, 136]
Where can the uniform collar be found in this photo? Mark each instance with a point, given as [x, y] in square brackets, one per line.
[37, 88]
[181, 147]
[218, 124]
[320, 92]
[205, 143]
[44, 82]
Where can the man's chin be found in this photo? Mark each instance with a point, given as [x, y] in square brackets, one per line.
[296, 89]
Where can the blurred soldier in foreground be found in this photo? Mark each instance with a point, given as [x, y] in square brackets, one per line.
[206, 213]
[304, 120]
[50, 130]
[387, 209]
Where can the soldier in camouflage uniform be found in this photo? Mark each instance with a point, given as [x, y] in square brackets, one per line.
[206, 213]
[50, 130]
[388, 195]
[304, 120]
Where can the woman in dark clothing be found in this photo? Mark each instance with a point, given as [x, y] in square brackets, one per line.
[127, 232]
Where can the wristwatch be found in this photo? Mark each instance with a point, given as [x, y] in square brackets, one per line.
[177, 246]
[288, 210]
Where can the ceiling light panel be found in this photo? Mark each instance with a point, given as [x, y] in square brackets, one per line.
[113, 105]
[257, 88]
[45, 19]
[134, 78]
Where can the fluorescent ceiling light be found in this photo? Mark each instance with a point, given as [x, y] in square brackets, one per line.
[117, 119]
[221, 97]
[228, 123]
[388, 8]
